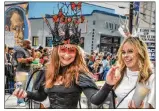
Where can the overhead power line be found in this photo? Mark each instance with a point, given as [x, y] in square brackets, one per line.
[146, 15]
[117, 6]
[145, 21]
[131, 17]
[145, 8]
[134, 10]
[142, 13]
[128, 7]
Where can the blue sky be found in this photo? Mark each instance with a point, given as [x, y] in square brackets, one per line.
[39, 9]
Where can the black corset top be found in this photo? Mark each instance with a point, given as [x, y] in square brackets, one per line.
[64, 98]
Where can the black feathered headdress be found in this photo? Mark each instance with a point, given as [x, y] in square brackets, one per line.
[65, 28]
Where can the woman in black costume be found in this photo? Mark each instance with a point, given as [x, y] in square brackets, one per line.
[67, 75]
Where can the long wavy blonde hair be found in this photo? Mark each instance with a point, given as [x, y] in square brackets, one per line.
[74, 69]
[143, 59]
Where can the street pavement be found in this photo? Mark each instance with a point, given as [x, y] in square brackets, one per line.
[11, 102]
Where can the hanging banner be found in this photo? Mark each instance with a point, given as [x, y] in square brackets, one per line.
[148, 36]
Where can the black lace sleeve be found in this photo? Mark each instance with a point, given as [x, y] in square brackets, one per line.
[93, 94]
[37, 95]
[86, 81]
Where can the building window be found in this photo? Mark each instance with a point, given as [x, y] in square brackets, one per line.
[116, 26]
[110, 26]
[35, 41]
[94, 22]
[152, 30]
[48, 42]
[106, 25]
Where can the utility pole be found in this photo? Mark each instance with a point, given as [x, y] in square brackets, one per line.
[131, 17]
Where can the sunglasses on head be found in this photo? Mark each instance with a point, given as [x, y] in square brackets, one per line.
[69, 50]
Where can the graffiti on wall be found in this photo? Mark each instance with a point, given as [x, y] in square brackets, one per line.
[16, 22]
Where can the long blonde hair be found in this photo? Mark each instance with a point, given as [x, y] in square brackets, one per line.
[143, 61]
[74, 69]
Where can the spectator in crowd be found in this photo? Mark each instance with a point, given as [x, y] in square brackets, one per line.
[97, 69]
[90, 63]
[109, 59]
[113, 60]
[81, 42]
[106, 67]
[40, 49]
[44, 59]
[45, 51]
[95, 55]
[6, 63]
[9, 55]
[11, 71]
[23, 69]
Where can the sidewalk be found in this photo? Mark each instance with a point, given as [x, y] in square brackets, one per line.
[11, 103]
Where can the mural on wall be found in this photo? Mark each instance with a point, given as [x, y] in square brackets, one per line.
[16, 21]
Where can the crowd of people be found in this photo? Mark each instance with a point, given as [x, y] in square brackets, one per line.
[132, 59]
[99, 63]
[22, 61]
[133, 62]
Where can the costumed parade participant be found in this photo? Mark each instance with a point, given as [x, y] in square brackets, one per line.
[67, 75]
